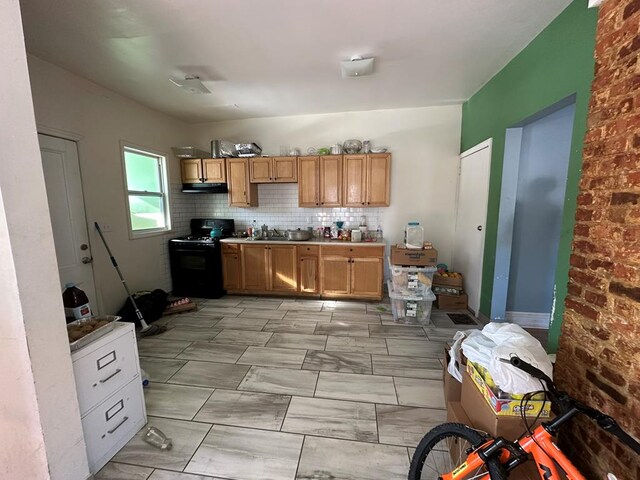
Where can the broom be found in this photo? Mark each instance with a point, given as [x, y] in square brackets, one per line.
[147, 330]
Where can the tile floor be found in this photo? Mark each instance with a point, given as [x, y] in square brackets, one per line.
[261, 388]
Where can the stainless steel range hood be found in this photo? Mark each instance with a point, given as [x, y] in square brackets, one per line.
[205, 188]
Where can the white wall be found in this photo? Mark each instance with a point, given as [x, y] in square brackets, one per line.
[425, 143]
[40, 426]
[68, 103]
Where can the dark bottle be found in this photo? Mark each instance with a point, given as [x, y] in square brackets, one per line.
[76, 303]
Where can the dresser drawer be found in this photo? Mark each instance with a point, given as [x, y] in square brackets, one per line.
[113, 423]
[102, 370]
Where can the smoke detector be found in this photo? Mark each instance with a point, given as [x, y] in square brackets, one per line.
[357, 66]
[191, 84]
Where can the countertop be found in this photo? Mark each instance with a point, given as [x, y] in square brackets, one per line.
[314, 241]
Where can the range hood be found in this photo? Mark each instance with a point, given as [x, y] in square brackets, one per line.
[205, 188]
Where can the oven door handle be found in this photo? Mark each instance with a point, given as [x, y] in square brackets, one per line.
[189, 250]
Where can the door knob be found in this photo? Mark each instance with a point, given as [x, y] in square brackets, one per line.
[86, 260]
[84, 246]
[479, 228]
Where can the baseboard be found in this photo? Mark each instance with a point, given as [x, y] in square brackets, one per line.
[529, 319]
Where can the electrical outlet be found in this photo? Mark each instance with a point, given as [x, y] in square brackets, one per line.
[105, 227]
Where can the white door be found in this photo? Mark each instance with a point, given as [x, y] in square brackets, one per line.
[66, 207]
[471, 215]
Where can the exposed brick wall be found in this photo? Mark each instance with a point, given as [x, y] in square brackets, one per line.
[599, 352]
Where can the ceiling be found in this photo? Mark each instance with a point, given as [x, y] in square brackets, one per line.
[282, 57]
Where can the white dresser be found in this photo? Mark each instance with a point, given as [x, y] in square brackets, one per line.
[109, 386]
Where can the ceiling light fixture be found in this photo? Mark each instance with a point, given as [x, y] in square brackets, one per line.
[191, 84]
[357, 66]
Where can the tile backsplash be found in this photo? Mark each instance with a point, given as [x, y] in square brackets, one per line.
[278, 208]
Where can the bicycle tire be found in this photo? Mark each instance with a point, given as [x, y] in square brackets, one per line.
[452, 430]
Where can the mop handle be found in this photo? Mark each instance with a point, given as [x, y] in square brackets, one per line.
[115, 264]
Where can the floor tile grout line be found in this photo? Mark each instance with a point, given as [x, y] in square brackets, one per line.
[197, 448]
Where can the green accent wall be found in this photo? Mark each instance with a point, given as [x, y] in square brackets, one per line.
[556, 64]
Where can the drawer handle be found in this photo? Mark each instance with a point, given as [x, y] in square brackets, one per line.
[105, 380]
[118, 425]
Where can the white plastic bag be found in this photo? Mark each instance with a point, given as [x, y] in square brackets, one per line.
[513, 340]
[455, 360]
[499, 341]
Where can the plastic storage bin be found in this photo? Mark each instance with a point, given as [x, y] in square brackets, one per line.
[411, 308]
[411, 280]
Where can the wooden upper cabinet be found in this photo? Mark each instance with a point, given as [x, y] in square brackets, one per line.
[378, 191]
[331, 181]
[273, 169]
[354, 182]
[260, 170]
[283, 272]
[255, 266]
[285, 169]
[203, 170]
[191, 169]
[308, 181]
[213, 170]
[241, 192]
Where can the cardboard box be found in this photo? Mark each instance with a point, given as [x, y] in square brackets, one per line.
[410, 257]
[447, 281]
[452, 302]
[484, 418]
[452, 387]
[508, 406]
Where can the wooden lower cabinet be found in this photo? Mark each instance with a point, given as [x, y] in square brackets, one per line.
[329, 271]
[283, 268]
[366, 277]
[269, 268]
[255, 264]
[231, 271]
[355, 272]
[335, 275]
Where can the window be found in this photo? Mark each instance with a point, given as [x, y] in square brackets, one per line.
[146, 181]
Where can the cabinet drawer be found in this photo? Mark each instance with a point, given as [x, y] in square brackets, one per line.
[113, 423]
[306, 250]
[104, 370]
[347, 251]
[230, 248]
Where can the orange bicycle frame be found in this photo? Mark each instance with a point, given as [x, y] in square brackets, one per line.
[540, 446]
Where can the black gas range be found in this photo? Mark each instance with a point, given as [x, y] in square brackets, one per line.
[196, 260]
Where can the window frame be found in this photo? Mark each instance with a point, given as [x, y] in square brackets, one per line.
[164, 189]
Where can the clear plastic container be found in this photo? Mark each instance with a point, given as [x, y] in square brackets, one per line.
[411, 280]
[411, 309]
[414, 236]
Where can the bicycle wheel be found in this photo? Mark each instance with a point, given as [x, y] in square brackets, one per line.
[444, 448]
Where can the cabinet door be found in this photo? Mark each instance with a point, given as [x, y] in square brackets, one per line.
[309, 181]
[331, 181]
[285, 169]
[241, 192]
[260, 169]
[283, 268]
[366, 277]
[213, 170]
[354, 182]
[254, 260]
[335, 275]
[191, 170]
[309, 274]
[378, 180]
[231, 272]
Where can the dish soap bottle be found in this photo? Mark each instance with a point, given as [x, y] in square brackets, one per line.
[379, 234]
